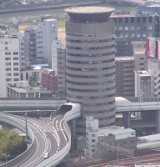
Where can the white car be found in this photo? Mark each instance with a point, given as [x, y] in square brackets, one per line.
[46, 155]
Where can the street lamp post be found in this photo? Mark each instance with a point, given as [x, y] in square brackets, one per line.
[6, 156]
[39, 112]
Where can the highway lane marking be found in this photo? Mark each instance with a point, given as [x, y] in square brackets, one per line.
[57, 139]
[61, 128]
[36, 149]
[45, 139]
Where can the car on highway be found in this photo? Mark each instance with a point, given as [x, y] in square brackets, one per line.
[46, 155]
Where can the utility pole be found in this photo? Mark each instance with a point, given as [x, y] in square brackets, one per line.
[117, 154]
[26, 125]
[6, 156]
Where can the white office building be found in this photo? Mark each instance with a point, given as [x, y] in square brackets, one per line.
[9, 61]
[142, 84]
[46, 34]
[154, 71]
[147, 83]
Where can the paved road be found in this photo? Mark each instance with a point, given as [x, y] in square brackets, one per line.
[46, 140]
[50, 138]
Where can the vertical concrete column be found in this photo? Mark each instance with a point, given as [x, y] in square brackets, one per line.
[73, 136]
[158, 121]
[127, 119]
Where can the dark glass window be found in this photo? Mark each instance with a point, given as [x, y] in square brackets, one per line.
[150, 19]
[138, 19]
[132, 20]
[144, 19]
[126, 20]
[120, 20]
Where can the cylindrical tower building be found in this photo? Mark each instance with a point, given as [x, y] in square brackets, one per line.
[90, 63]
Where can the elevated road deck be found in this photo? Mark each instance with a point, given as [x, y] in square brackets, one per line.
[122, 105]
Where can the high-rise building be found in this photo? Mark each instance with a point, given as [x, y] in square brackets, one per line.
[90, 63]
[30, 45]
[61, 66]
[125, 76]
[142, 84]
[147, 82]
[46, 34]
[40, 42]
[9, 61]
[131, 27]
[139, 56]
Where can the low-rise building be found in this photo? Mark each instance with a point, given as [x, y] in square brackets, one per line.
[101, 142]
[22, 90]
[35, 73]
[50, 81]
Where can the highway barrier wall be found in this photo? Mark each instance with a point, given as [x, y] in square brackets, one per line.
[69, 115]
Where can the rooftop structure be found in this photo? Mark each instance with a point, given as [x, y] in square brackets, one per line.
[93, 13]
[22, 90]
[104, 141]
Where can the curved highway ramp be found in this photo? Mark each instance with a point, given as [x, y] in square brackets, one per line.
[51, 136]
[65, 113]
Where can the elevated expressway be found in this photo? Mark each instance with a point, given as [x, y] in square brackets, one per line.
[149, 113]
[123, 105]
[52, 136]
[25, 105]
[55, 136]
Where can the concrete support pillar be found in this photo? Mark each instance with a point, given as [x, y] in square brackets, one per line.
[158, 122]
[73, 136]
[127, 119]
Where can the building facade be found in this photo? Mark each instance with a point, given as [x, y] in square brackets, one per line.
[9, 61]
[139, 56]
[108, 141]
[154, 71]
[133, 27]
[124, 76]
[142, 84]
[50, 81]
[90, 63]
[30, 46]
[46, 34]
[22, 90]
[61, 75]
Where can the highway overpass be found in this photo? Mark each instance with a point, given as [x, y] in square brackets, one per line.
[150, 113]
[56, 134]
[122, 105]
[24, 105]
[48, 135]
[38, 141]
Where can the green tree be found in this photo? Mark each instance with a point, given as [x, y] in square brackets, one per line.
[10, 143]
